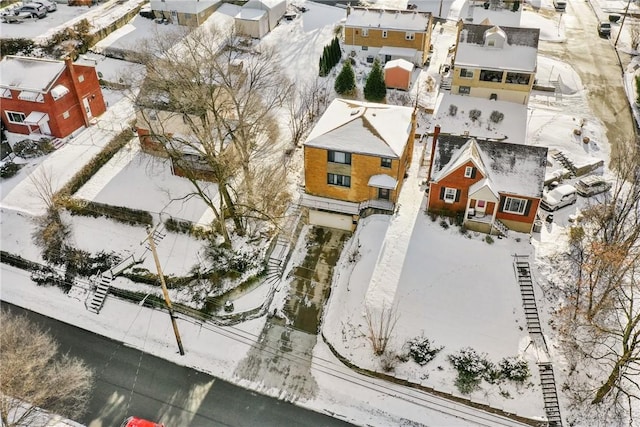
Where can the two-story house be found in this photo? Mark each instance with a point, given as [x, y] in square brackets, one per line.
[388, 34]
[494, 186]
[495, 62]
[190, 13]
[48, 97]
[355, 158]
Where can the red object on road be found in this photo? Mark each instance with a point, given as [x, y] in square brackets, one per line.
[139, 422]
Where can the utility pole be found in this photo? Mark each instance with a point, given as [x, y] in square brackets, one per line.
[152, 246]
[626, 10]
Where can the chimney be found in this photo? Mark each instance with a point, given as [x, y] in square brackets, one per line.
[436, 133]
[68, 63]
[348, 9]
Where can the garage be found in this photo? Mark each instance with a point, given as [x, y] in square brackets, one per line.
[331, 220]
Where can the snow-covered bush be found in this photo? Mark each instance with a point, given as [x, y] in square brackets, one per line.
[472, 368]
[8, 169]
[496, 116]
[422, 350]
[475, 114]
[514, 369]
[453, 110]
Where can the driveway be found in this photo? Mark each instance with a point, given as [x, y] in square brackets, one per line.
[594, 59]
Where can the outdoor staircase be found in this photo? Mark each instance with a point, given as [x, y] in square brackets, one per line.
[568, 164]
[445, 84]
[58, 143]
[550, 394]
[502, 229]
[523, 274]
[102, 283]
[558, 89]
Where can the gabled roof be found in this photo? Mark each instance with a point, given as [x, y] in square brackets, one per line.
[29, 74]
[183, 6]
[408, 20]
[399, 63]
[510, 168]
[519, 53]
[363, 128]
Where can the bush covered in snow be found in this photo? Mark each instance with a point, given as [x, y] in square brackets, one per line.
[472, 368]
[514, 369]
[422, 350]
[475, 114]
[8, 169]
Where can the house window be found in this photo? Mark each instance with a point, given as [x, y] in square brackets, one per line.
[383, 193]
[341, 180]
[365, 32]
[464, 90]
[468, 172]
[466, 73]
[384, 34]
[385, 163]
[65, 115]
[340, 157]
[365, 47]
[81, 78]
[5, 93]
[491, 43]
[59, 91]
[14, 117]
[409, 36]
[450, 195]
[513, 205]
[26, 95]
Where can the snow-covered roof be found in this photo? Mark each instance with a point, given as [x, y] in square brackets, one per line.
[399, 63]
[407, 52]
[183, 6]
[263, 4]
[408, 20]
[512, 127]
[519, 51]
[251, 14]
[229, 9]
[383, 181]
[29, 74]
[363, 127]
[511, 168]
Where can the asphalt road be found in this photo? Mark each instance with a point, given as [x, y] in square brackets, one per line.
[129, 382]
[594, 59]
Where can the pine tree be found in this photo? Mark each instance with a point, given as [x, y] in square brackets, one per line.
[335, 47]
[346, 80]
[375, 89]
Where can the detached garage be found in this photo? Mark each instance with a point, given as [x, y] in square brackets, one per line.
[252, 23]
[397, 74]
[331, 220]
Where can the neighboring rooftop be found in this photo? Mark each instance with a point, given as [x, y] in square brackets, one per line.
[183, 6]
[510, 168]
[491, 46]
[388, 19]
[31, 74]
[363, 127]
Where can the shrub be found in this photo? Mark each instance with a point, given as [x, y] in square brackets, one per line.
[472, 368]
[117, 213]
[346, 80]
[475, 114]
[23, 47]
[27, 149]
[375, 89]
[422, 350]
[444, 224]
[496, 116]
[453, 110]
[8, 169]
[187, 227]
[489, 239]
[638, 89]
[514, 369]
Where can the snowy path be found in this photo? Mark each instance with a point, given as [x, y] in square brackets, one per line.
[386, 276]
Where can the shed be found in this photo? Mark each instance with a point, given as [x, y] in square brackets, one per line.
[397, 74]
[275, 9]
[252, 22]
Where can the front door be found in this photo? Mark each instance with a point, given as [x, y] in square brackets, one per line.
[387, 58]
[87, 108]
[481, 207]
[383, 193]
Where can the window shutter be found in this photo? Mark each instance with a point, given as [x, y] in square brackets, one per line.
[458, 195]
[527, 208]
[501, 206]
[442, 193]
[473, 172]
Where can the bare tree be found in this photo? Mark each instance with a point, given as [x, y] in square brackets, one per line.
[211, 107]
[42, 180]
[304, 105]
[36, 376]
[381, 324]
[634, 36]
[601, 316]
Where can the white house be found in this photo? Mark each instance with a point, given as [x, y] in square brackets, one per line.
[274, 10]
[189, 13]
[252, 22]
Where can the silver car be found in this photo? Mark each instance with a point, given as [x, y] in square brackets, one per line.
[35, 9]
[592, 185]
[49, 5]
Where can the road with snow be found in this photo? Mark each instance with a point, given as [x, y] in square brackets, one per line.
[130, 382]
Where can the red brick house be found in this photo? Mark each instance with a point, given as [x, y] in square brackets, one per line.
[48, 97]
[495, 186]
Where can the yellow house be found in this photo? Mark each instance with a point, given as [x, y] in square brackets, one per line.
[355, 159]
[495, 62]
[388, 34]
[190, 13]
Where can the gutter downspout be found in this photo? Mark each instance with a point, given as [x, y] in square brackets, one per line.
[69, 65]
[436, 133]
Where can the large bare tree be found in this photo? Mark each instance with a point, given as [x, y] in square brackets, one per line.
[212, 105]
[601, 315]
[35, 376]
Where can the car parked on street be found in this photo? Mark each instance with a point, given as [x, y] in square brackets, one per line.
[604, 29]
[559, 197]
[592, 185]
[139, 422]
[15, 16]
[49, 5]
[35, 9]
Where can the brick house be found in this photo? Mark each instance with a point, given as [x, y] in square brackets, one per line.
[494, 186]
[494, 62]
[48, 97]
[355, 159]
[388, 34]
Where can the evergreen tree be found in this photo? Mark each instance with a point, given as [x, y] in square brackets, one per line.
[321, 67]
[346, 80]
[335, 47]
[375, 89]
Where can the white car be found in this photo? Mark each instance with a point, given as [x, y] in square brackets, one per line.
[592, 185]
[49, 5]
[559, 197]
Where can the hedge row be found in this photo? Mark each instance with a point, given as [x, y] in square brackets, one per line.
[117, 213]
[188, 227]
